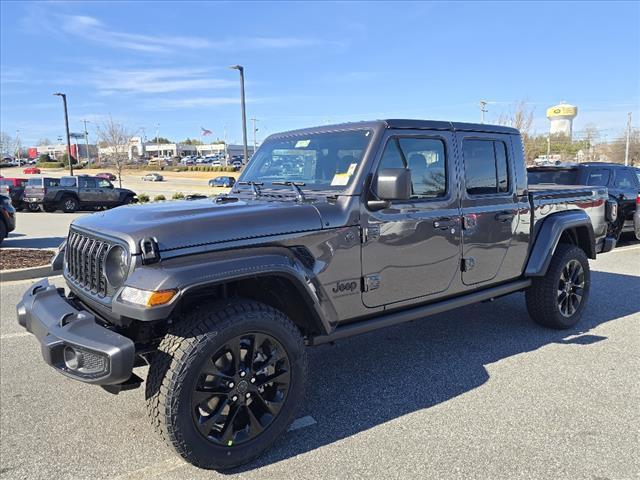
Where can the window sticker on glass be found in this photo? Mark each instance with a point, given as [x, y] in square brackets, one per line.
[352, 169]
[302, 143]
[340, 179]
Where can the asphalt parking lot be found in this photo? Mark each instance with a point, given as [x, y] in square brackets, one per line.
[480, 392]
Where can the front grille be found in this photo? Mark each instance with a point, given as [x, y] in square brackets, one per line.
[85, 258]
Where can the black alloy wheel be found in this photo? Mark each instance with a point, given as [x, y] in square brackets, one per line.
[571, 288]
[241, 389]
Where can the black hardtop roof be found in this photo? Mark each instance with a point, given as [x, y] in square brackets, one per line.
[406, 124]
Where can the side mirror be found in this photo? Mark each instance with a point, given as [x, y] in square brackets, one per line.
[391, 184]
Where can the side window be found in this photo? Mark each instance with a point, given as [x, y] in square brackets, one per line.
[486, 167]
[87, 182]
[425, 157]
[624, 179]
[104, 184]
[599, 178]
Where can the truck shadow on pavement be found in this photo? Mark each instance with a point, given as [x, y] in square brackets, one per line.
[368, 380]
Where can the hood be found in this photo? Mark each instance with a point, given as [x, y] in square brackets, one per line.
[188, 223]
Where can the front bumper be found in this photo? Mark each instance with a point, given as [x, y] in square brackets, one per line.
[71, 340]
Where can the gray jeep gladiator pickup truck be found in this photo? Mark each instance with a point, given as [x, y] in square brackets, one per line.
[73, 193]
[329, 232]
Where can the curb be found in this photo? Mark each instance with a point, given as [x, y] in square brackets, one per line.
[26, 273]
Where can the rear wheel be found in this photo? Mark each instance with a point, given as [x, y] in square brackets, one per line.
[226, 382]
[69, 204]
[558, 299]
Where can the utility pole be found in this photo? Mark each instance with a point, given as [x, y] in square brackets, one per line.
[483, 110]
[626, 150]
[18, 147]
[86, 141]
[255, 130]
[66, 124]
[158, 142]
[240, 69]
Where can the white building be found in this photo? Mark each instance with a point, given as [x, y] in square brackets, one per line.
[138, 148]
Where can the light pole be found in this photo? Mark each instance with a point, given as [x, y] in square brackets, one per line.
[86, 140]
[255, 130]
[240, 68]
[483, 110]
[626, 149]
[66, 124]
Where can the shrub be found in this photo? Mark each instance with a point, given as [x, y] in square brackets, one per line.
[49, 164]
[143, 198]
[159, 198]
[177, 196]
[44, 158]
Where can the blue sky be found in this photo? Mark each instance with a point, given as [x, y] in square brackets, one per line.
[166, 63]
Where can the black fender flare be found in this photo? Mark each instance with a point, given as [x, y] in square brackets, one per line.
[548, 236]
[124, 195]
[192, 272]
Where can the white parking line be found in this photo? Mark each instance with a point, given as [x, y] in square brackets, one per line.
[14, 335]
[625, 249]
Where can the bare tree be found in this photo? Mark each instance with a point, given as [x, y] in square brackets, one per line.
[8, 144]
[520, 116]
[43, 141]
[115, 136]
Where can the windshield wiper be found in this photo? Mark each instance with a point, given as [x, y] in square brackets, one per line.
[254, 186]
[296, 188]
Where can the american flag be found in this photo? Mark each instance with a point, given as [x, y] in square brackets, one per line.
[205, 132]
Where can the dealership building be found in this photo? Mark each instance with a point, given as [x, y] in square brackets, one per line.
[139, 148]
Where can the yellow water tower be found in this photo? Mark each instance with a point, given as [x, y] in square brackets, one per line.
[561, 117]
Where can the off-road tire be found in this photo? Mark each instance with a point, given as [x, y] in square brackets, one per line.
[33, 207]
[49, 208]
[175, 368]
[3, 231]
[127, 200]
[542, 296]
[69, 204]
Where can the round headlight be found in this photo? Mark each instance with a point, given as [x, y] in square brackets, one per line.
[116, 266]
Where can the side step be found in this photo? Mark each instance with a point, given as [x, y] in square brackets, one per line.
[416, 313]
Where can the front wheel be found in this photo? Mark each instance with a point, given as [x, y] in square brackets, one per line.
[226, 383]
[33, 207]
[49, 208]
[558, 299]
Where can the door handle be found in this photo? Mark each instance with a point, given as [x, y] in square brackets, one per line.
[445, 223]
[505, 216]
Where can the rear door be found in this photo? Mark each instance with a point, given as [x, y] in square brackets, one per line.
[411, 250]
[88, 190]
[490, 208]
[626, 185]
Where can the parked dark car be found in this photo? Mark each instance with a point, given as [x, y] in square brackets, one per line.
[387, 222]
[223, 181]
[622, 182]
[78, 192]
[7, 217]
[107, 176]
[13, 188]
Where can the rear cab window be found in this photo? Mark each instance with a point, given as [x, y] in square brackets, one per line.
[486, 167]
[599, 178]
[560, 177]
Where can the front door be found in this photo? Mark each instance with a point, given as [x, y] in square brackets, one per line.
[411, 250]
[106, 193]
[489, 207]
[87, 190]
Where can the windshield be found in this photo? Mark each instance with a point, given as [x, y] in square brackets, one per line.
[319, 161]
[561, 177]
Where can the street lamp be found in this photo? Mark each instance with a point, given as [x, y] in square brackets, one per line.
[240, 68]
[66, 124]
